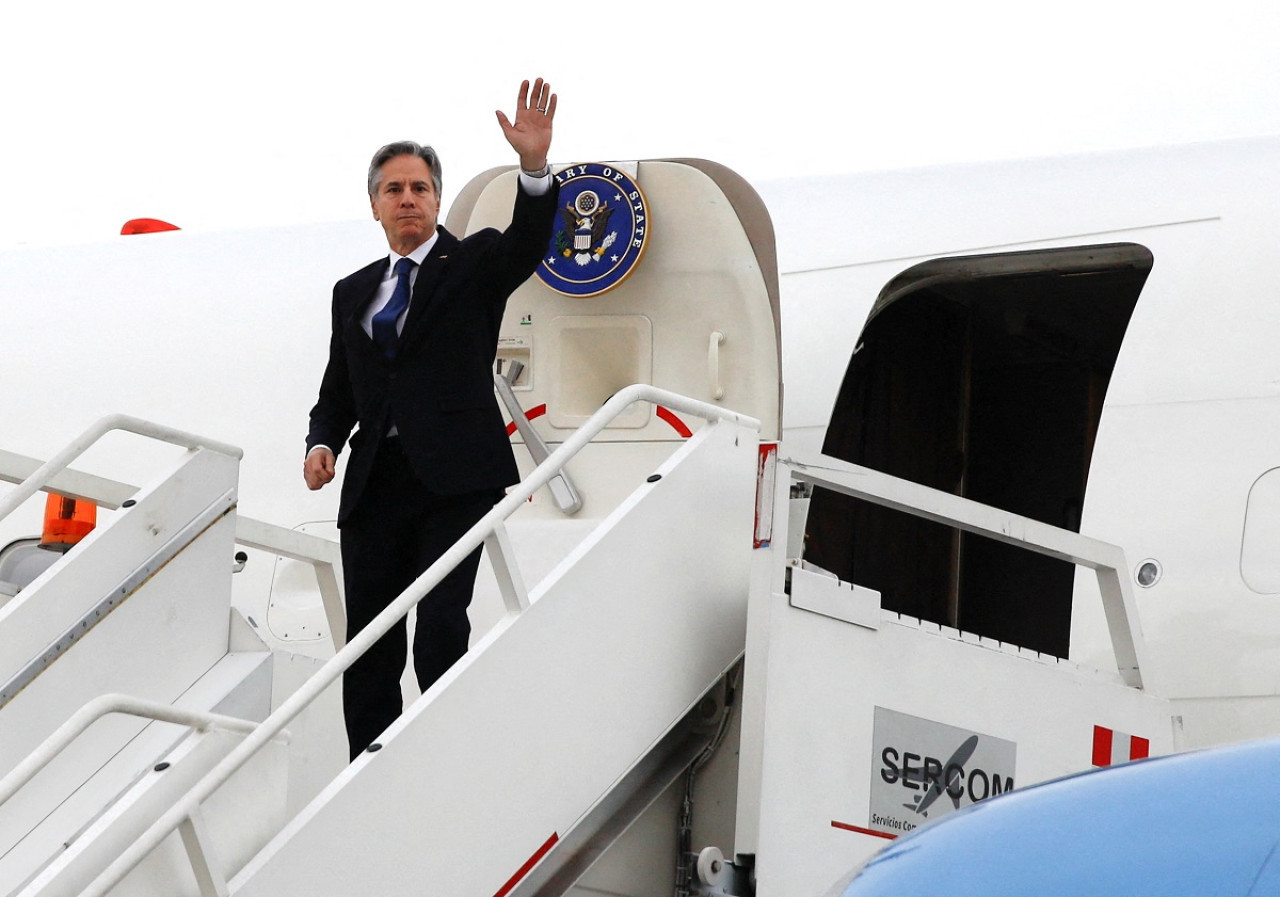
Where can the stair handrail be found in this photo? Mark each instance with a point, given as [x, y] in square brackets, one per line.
[78, 446]
[321, 553]
[189, 804]
[104, 705]
[1105, 559]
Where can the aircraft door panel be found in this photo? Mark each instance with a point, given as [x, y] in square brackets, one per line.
[709, 267]
[983, 376]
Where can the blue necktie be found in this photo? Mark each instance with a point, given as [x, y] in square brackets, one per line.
[384, 322]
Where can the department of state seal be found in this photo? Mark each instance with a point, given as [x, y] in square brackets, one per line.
[601, 234]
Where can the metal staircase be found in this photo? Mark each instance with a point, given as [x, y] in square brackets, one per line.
[125, 675]
[551, 734]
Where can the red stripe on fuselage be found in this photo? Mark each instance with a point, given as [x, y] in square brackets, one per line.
[535, 411]
[665, 413]
[676, 423]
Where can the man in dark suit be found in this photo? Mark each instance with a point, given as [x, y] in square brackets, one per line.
[410, 361]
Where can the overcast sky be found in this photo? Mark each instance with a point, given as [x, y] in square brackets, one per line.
[261, 113]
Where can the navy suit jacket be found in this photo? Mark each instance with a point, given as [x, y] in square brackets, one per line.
[438, 391]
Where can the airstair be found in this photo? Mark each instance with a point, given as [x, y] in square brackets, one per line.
[552, 729]
[125, 673]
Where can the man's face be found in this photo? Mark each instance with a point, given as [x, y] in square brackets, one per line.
[406, 204]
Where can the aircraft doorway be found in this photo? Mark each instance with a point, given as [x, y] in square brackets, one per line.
[983, 376]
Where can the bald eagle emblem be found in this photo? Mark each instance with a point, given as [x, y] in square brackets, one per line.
[587, 220]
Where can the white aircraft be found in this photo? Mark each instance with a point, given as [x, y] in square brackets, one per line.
[1014, 517]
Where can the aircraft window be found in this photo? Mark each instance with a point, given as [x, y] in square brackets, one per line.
[1259, 561]
[983, 376]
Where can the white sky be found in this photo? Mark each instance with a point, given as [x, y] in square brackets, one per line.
[261, 113]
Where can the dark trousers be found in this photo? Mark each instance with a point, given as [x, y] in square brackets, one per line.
[397, 531]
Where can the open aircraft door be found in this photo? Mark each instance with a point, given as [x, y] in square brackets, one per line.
[913, 661]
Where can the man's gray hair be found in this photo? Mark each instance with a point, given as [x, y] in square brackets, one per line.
[403, 148]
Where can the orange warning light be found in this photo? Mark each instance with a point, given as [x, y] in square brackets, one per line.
[67, 521]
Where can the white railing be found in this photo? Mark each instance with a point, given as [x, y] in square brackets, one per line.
[56, 475]
[488, 529]
[1106, 560]
[41, 477]
[324, 556]
[95, 710]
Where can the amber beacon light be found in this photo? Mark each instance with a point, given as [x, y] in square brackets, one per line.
[67, 521]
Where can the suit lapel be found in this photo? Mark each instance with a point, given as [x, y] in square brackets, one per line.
[425, 296]
[360, 290]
